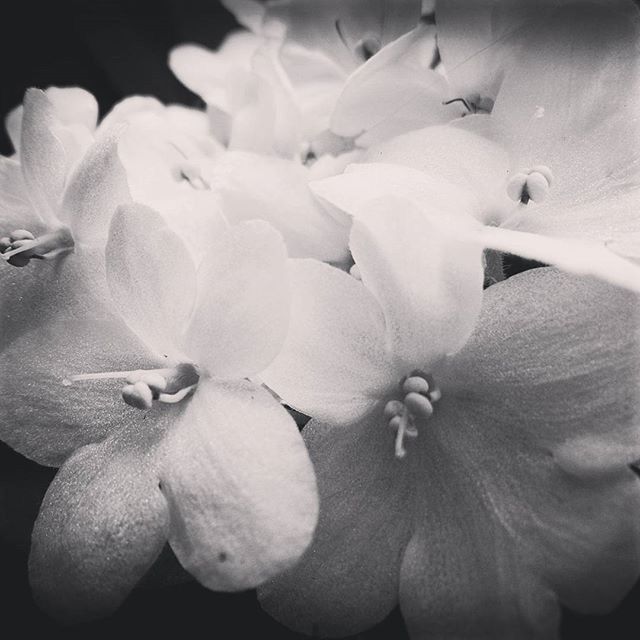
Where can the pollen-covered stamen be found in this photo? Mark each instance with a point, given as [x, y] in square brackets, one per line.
[21, 246]
[532, 184]
[170, 385]
[419, 393]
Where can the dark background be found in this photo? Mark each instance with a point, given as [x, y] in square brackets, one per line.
[115, 48]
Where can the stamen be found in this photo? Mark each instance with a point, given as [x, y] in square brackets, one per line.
[532, 184]
[21, 246]
[170, 385]
[420, 392]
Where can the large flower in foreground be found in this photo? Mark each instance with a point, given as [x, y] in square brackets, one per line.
[515, 494]
[215, 466]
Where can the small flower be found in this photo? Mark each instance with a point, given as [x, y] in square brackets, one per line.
[471, 449]
[45, 211]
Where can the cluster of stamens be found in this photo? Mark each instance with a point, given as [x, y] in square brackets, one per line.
[21, 246]
[531, 184]
[168, 386]
[420, 393]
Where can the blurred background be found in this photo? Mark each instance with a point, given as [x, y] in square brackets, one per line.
[116, 48]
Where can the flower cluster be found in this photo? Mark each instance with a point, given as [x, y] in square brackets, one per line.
[328, 239]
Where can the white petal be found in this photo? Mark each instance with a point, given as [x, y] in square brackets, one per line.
[333, 365]
[151, 277]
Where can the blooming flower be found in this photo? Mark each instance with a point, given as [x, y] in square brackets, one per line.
[514, 415]
[516, 168]
[214, 465]
[44, 210]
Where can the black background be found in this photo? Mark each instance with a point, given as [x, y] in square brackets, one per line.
[116, 48]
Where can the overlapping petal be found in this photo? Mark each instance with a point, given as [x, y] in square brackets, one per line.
[102, 524]
[251, 187]
[94, 191]
[151, 277]
[348, 579]
[394, 91]
[333, 364]
[240, 487]
[428, 281]
[56, 322]
[241, 314]
[42, 155]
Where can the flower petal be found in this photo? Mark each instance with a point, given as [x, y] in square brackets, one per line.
[240, 487]
[459, 153]
[56, 323]
[427, 280]
[333, 364]
[397, 86]
[582, 257]
[348, 579]
[559, 354]
[241, 314]
[562, 106]
[102, 524]
[362, 183]
[74, 106]
[42, 155]
[476, 41]
[342, 26]
[152, 278]
[252, 186]
[95, 189]
[462, 575]
[15, 208]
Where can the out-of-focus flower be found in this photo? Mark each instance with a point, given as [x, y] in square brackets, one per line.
[514, 492]
[214, 465]
[49, 205]
[274, 89]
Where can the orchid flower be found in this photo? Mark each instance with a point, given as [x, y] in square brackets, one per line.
[44, 210]
[471, 449]
[189, 451]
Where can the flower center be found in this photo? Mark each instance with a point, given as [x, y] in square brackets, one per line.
[21, 246]
[473, 104]
[419, 393]
[530, 184]
[143, 386]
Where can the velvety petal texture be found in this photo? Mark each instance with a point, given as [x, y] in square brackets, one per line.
[348, 579]
[333, 364]
[102, 524]
[94, 191]
[57, 321]
[240, 487]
